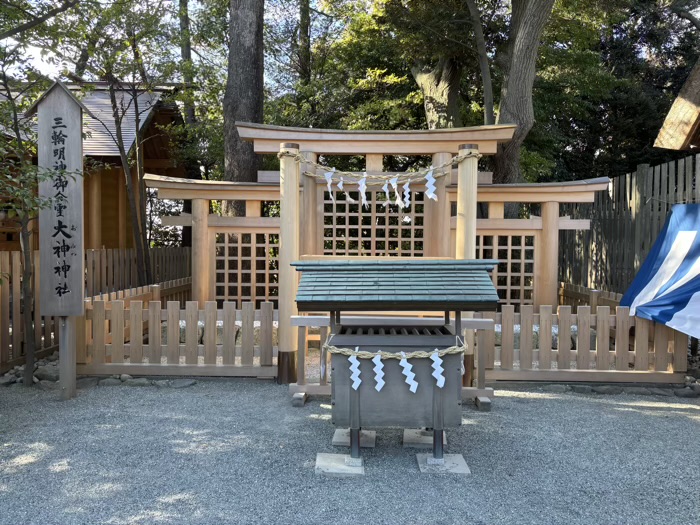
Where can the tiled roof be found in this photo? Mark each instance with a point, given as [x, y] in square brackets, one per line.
[393, 286]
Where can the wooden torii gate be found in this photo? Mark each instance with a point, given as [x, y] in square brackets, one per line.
[300, 213]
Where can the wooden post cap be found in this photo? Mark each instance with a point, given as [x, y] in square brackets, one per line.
[468, 146]
[289, 145]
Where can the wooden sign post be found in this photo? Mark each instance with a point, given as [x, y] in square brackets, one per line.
[61, 242]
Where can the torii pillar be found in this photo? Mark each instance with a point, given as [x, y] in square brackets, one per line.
[467, 179]
[288, 253]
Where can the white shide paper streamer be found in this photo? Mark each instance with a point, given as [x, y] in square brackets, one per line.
[362, 187]
[378, 372]
[430, 185]
[355, 369]
[407, 367]
[329, 182]
[437, 369]
[407, 195]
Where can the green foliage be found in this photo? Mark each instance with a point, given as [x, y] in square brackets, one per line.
[19, 176]
[607, 70]
[608, 73]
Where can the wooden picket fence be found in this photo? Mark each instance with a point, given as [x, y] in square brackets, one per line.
[110, 270]
[11, 314]
[625, 222]
[583, 346]
[137, 336]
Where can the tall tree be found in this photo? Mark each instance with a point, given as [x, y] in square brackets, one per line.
[243, 100]
[527, 22]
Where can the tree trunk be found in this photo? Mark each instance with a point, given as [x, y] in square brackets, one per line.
[527, 22]
[304, 42]
[140, 172]
[27, 302]
[191, 166]
[482, 54]
[135, 226]
[440, 87]
[243, 100]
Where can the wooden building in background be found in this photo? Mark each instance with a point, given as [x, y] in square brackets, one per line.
[107, 213]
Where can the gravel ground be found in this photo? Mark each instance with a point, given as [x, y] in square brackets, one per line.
[236, 451]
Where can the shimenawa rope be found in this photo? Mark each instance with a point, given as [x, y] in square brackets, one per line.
[419, 354]
[439, 171]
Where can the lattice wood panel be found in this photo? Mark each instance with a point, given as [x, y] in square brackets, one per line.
[514, 275]
[379, 230]
[247, 267]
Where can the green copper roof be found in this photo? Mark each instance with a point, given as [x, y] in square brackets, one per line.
[402, 285]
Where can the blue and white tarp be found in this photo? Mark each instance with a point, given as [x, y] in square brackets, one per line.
[667, 287]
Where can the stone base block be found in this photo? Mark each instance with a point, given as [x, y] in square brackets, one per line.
[299, 399]
[341, 438]
[483, 404]
[452, 464]
[420, 438]
[339, 465]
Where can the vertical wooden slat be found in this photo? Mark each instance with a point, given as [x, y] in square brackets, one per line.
[191, 332]
[83, 351]
[104, 286]
[110, 271]
[266, 315]
[88, 273]
[526, 317]
[154, 333]
[641, 344]
[98, 332]
[622, 338]
[603, 338]
[478, 361]
[507, 339]
[117, 325]
[680, 352]
[229, 342]
[136, 333]
[301, 355]
[173, 333]
[583, 338]
[248, 335]
[545, 337]
[133, 266]
[661, 357]
[324, 356]
[564, 338]
[489, 341]
[210, 333]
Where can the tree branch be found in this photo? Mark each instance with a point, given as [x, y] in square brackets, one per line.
[38, 20]
[679, 8]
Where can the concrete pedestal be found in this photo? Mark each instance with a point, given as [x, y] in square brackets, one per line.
[450, 464]
[339, 465]
[341, 438]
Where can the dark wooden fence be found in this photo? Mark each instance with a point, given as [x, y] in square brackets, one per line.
[625, 222]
